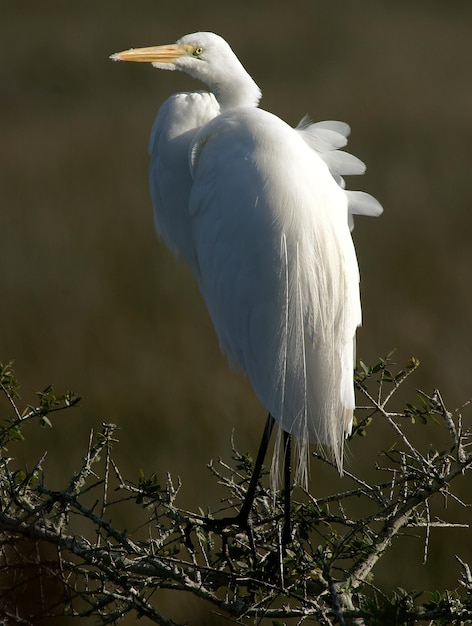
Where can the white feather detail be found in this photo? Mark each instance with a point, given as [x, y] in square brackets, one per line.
[285, 311]
[361, 203]
[325, 138]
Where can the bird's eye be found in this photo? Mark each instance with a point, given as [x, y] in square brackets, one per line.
[197, 51]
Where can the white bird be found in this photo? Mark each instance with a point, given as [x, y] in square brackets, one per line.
[259, 212]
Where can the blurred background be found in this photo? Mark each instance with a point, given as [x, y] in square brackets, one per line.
[91, 301]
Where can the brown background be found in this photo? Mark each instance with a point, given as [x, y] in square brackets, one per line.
[91, 301]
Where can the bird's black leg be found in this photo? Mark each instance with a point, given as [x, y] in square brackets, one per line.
[287, 528]
[242, 519]
[245, 511]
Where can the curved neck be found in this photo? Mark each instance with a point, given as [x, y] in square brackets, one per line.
[241, 91]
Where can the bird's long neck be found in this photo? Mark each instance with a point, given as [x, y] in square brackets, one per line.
[241, 90]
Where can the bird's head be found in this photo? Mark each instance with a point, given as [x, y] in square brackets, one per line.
[206, 57]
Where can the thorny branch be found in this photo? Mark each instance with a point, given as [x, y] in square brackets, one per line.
[323, 576]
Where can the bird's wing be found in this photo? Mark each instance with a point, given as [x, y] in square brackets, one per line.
[278, 270]
[325, 138]
[179, 118]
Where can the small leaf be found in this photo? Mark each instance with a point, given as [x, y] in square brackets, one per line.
[412, 363]
[16, 434]
[71, 399]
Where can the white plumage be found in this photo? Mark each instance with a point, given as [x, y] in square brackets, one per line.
[259, 212]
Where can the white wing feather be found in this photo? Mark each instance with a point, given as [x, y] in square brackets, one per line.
[325, 138]
[277, 269]
[179, 118]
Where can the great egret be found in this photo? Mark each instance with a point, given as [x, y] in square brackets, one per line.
[259, 212]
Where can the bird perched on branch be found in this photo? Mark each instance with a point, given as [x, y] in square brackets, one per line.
[259, 211]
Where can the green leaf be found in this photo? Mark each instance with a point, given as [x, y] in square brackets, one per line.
[16, 434]
[45, 421]
[412, 363]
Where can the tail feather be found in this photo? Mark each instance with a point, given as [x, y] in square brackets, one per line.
[316, 355]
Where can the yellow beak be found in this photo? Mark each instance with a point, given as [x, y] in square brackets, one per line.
[154, 54]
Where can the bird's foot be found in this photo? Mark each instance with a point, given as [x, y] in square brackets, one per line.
[242, 520]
